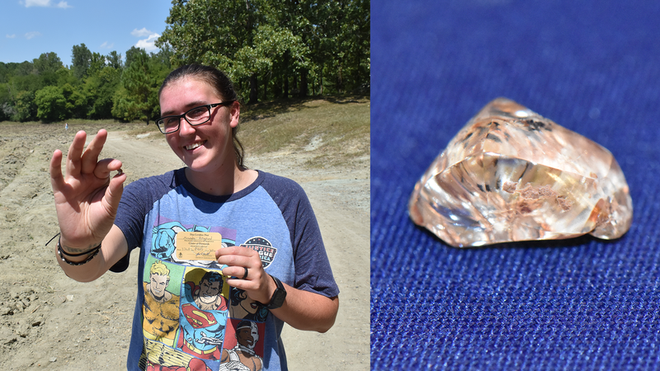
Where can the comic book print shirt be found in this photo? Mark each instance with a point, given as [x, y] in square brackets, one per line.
[186, 316]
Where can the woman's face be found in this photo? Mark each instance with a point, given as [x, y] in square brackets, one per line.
[207, 147]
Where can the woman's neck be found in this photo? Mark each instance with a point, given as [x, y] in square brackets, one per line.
[221, 183]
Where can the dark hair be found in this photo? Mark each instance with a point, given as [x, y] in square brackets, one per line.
[211, 277]
[237, 296]
[218, 81]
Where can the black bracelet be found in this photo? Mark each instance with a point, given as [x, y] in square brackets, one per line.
[59, 246]
[61, 253]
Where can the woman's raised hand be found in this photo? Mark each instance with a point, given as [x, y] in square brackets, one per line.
[86, 199]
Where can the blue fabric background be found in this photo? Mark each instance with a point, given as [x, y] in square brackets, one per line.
[582, 304]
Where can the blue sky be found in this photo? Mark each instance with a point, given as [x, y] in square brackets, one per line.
[32, 27]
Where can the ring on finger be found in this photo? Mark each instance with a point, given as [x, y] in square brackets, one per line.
[246, 273]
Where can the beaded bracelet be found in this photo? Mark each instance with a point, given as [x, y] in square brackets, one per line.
[61, 253]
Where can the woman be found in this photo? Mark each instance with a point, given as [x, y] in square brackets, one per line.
[261, 228]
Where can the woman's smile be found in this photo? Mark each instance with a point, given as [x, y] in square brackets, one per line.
[193, 146]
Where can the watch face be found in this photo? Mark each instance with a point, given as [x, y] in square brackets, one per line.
[279, 295]
[278, 298]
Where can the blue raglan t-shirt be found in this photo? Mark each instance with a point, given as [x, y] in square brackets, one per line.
[186, 315]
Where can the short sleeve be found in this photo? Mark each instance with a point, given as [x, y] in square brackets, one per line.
[312, 267]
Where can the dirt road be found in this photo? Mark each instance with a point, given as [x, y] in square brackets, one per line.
[48, 321]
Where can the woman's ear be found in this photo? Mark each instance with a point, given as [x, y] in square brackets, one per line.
[235, 113]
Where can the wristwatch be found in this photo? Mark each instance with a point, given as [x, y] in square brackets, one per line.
[279, 295]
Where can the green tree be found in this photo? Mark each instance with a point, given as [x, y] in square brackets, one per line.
[75, 102]
[6, 71]
[132, 54]
[99, 89]
[163, 59]
[278, 46]
[65, 76]
[24, 69]
[51, 104]
[26, 109]
[337, 32]
[114, 60]
[353, 67]
[121, 105]
[269, 45]
[7, 109]
[97, 63]
[47, 63]
[208, 32]
[81, 58]
[17, 100]
[30, 82]
[138, 95]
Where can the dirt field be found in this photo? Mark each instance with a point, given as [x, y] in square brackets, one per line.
[48, 321]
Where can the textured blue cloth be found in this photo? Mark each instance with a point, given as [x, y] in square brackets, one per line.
[581, 304]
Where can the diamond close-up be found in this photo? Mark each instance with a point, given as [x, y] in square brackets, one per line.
[512, 175]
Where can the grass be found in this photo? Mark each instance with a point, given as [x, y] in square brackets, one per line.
[334, 131]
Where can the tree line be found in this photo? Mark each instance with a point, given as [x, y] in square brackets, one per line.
[270, 49]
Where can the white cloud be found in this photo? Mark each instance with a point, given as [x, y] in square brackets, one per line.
[29, 3]
[12, 36]
[141, 33]
[148, 43]
[31, 35]
[107, 45]
[45, 3]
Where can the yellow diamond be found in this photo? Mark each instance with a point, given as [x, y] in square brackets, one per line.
[513, 175]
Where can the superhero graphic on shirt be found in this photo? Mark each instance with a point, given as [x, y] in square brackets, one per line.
[161, 307]
[203, 314]
[243, 350]
[242, 307]
[192, 330]
[159, 357]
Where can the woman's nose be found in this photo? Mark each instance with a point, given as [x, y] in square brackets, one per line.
[185, 127]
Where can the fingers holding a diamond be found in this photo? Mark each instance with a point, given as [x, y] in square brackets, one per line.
[82, 161]
[513, 175]
[86, 199]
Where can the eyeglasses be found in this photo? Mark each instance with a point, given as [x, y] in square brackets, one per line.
[194, 116]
